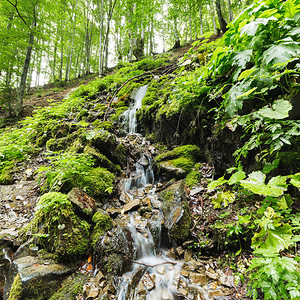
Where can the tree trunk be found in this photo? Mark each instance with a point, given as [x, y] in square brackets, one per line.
[230, 13]
[22, 87]
[100, 36]
[201, 18]
[176, 35]
[221, 19]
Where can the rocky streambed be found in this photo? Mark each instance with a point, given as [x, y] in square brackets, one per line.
[136, 246]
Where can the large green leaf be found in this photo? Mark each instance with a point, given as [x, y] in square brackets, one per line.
[273, 236]
[241, 58]
[256, 184]
[281, 53]
[279, 110]
[223, 198]
[251, 28]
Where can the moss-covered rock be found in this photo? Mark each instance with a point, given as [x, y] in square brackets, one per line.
[176, 212]
[58, 229]
[34, 278]
[102, 222]
[101, 160]
[178, 162]
[97, 182]
[107, 144]
[71, 287]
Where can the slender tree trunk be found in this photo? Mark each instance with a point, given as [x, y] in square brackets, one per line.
[105, 54]
[22, 87]
[230, 13]
[100, 36]
[201, 17]
[190, 22]
[69, 64]
[176, 34]
[221, 19]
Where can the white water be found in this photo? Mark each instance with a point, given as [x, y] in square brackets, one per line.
[161, 271]
[130, 114]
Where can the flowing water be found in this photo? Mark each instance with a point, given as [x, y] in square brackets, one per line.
[130, 114]
[154, 275]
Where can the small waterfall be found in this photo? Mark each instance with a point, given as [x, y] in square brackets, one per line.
[130, 114]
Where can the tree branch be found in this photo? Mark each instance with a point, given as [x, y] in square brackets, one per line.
[17, 10]
[172, 67]
[152, 266]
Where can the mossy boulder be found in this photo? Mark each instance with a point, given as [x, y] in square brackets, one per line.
[34, 278]
[102, 222]
[114, 253]
[71, 287]
[58, 229]
[101, 160]
[106, 143]
[178, 162]
[177, 217]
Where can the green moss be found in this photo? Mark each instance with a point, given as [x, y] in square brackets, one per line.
[71, 287]
[101, 160]
[106, 125]
[16, 289]
[6, 173]
[187, 151]
[126, 91]
[97, 182]
[103, 223]
[119, 111]
[180, 232]
[193, 178]
[57, 227]
[184, 163]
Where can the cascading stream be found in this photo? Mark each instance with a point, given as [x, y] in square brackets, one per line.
[156, 273]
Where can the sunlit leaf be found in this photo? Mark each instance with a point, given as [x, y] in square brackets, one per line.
[246, 74]
[279, 110]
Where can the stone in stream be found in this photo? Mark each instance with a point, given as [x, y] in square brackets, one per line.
[177, 217]
[124, 197]
[27, 272]
[132, 205]
[82, 201]
[148, 281]
[212, 274]
[198, 279]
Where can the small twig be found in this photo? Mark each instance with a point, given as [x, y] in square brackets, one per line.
[152, 266]
[132, 78]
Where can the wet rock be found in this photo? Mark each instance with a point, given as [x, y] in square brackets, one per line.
[171, 253]
[161, 269]
[82, 201]
[144, 161]
[170, 171]
[113, 212]
[124, 197]
[184, 273]
[92, 294]
[227, 280]
[132, 205]
[26, 272]
[187, 255]
[115, 257]
[179, 250]
[198, 279]
[148, 282]
[212, 274]
[196, 191]
[177, 218]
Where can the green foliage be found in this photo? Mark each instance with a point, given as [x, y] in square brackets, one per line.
[277, 277]
[186, 151]
[57, 227]
[75, 170]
